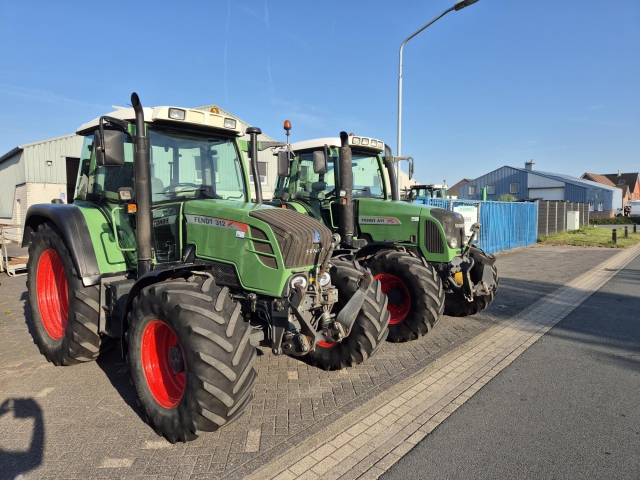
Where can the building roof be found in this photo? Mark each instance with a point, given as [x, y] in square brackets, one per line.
[455, 189]
[598, 178]
[560, 177]
[624, 179]
[20, 148]
[580, 182]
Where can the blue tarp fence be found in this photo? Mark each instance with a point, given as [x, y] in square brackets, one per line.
[505, 225]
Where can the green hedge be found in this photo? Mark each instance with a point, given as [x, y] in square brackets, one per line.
[615, 221]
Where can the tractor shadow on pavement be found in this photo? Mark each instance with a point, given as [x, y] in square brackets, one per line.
[116, 370]
[16, 461]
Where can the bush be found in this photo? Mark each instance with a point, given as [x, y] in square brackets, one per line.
[506, 197]
[615, 221]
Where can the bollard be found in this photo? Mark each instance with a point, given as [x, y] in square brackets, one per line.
[614, 235]
[626, 232]
[635, 226]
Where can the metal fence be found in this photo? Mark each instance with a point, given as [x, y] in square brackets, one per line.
[552, 216]
[505, 225]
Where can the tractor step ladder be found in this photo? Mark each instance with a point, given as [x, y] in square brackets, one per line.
[13, 265]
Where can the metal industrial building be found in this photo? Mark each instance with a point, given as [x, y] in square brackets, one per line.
[529, 184]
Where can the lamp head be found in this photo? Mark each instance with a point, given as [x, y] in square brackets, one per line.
[460, 4]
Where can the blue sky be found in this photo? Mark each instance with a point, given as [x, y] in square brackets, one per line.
[498, 83]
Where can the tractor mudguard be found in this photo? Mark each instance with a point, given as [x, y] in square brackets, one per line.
[154, 276]
[373, 248]
[71, 223]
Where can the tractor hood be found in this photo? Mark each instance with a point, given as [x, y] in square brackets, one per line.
[438, 232]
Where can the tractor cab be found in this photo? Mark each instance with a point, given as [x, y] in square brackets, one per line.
[419, 193]
[194, 155]
[312, 176]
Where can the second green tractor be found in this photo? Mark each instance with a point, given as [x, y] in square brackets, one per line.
[420, 254]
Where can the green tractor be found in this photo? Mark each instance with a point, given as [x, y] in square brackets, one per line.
[420, 254]
[163, 249]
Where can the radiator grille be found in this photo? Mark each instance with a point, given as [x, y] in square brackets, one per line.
[295, 234]
[225, 274]
[433, 237]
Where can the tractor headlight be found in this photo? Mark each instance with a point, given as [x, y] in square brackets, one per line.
[229, 123]
[177, 114]
[299, 281]
[453, 242]
[325, 279]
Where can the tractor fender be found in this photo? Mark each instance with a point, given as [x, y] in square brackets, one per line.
[154, 276]
[373, 248]
[71, 223]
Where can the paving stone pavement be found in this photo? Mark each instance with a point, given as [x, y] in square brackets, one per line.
[83, 421]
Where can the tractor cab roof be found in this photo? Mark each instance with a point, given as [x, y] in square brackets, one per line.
[174, 115]
[431, 185]
[366, 143]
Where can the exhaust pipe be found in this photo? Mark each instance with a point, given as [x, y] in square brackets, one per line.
[257, 185]
[142, 166]
[346, 191]
[388, 163]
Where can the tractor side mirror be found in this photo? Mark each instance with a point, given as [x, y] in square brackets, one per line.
[319, 162]
[109, 148]
[283, 163]
[410, 168]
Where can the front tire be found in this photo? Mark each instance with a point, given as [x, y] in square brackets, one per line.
[190, 356]
[369, 330]
[64, 313]
[416, 295]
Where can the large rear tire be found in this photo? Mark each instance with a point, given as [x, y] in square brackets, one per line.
[416, 295]
[64, 313]
[369, 330]
[456, 306]
[190, 356]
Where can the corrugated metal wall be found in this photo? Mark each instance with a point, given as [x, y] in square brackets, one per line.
[36, 155]
[501, 178]
[11, 175]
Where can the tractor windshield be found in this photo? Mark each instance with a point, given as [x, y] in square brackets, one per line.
[189, 165]
[368, 181]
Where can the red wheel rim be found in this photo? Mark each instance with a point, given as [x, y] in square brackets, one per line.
[52, 293]
[399, 310]
[166, 385]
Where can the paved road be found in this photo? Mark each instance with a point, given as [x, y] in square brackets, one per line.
[83, 421]
[568, 407]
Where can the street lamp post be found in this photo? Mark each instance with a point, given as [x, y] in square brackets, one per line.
[459, 5]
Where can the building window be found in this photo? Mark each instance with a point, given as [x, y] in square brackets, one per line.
[591, 206]
[491, 189]
[262, 170]
[472, 189]
[600, 206]
[513, 187]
